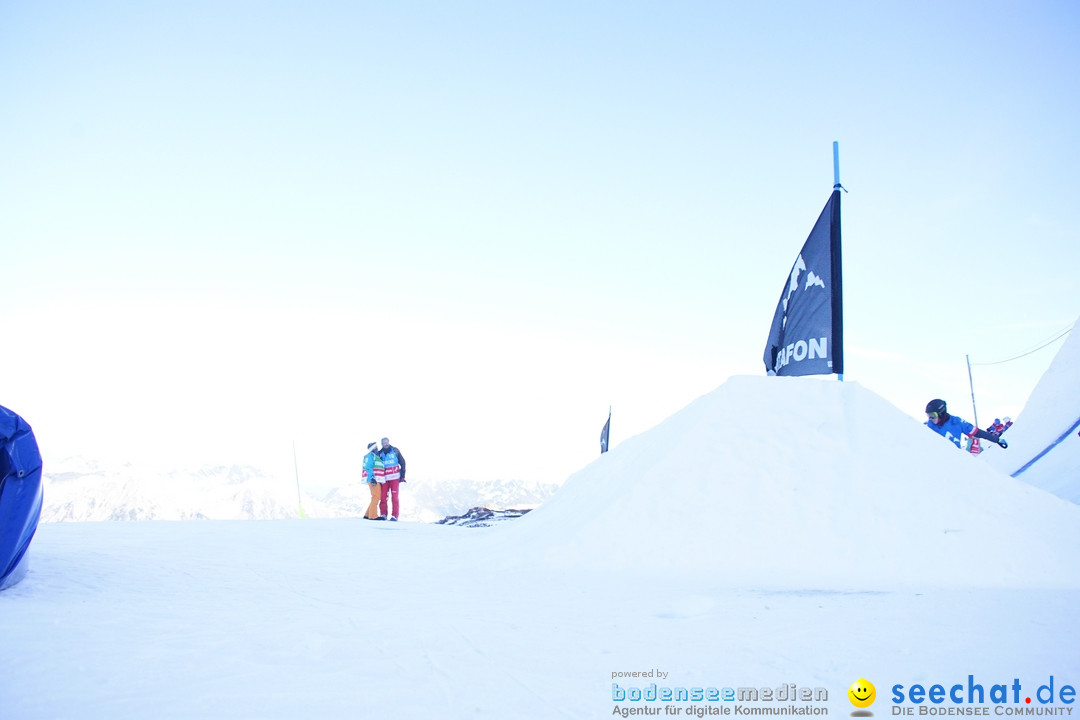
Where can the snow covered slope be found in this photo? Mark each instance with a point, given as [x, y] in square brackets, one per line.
[774, 531]
[1052, 409]
[777, 482]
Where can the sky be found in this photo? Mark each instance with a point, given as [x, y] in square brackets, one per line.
[833, 559]
[232, 229]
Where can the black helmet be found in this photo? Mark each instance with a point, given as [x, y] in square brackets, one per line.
[936, 406]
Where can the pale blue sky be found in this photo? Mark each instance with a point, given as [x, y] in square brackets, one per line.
[227, 225]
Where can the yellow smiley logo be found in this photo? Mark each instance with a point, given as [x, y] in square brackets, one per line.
[862, 693]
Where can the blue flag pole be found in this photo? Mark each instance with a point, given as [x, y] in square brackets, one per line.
[836, 166]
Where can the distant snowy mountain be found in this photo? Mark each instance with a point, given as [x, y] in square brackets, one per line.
[79, 490]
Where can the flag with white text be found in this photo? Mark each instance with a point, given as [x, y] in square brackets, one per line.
[807, 333]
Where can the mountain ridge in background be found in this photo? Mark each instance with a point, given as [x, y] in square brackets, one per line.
[81, 490]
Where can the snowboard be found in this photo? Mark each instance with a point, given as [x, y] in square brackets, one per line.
[997, 427]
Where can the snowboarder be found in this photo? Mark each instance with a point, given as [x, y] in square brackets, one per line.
[951, 427]
[373, 473]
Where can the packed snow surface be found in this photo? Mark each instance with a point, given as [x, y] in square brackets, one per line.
[775, 531]
[1052, 411]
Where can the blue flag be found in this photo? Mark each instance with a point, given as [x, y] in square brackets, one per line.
[807, 333]
[604, 434]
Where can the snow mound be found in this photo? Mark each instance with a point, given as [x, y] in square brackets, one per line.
[795, 482]
[1052, 409]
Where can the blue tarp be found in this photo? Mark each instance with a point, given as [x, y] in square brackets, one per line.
[20, 494]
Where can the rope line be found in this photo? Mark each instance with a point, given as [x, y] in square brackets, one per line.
[1054, 339]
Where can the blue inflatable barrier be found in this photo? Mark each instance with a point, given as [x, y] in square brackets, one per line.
[20, 495]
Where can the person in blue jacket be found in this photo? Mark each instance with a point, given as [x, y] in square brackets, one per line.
[951, 427]
[373, 474]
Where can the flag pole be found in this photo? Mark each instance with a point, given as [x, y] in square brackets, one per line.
[971, 384]
[838, 313]
[605, 434]
[296, 469]
[836, 166]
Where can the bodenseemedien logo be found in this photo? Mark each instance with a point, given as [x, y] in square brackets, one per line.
[699, 701]
[862, 694]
